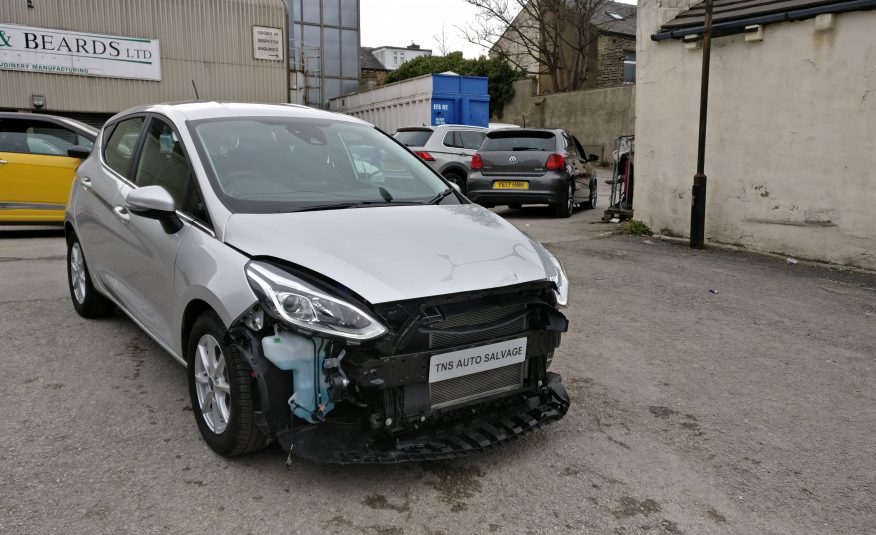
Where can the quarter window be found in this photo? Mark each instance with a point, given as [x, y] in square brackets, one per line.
[471, 139]
[119, 148]
[162, 161]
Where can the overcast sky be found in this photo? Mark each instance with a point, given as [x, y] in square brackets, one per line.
[400, 22]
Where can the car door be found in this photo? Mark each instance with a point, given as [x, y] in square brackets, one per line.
[589, 171]
[576, 165]
[35, 171]
[146, 253]
[98, 186]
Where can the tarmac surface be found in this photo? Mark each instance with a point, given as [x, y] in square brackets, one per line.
[747, 409]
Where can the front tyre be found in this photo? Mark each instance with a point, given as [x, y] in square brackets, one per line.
[86, 300]
[457, 179]
[221, 390]
[591, 202]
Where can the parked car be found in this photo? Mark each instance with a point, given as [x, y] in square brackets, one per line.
[533, 166]
[351, 312]
[38, 154]
[447, 148]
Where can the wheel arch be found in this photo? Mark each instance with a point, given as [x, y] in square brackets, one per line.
[455, 168]
[193, 311]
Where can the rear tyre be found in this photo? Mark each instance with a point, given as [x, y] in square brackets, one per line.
[221, 390]
[515, 206]
[86, 300]
[565, 208]
[457, 179]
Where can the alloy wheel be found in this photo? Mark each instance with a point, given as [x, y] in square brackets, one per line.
[212, 385]
[77, 273]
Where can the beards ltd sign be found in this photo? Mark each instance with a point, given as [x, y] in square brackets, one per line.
[23, 48]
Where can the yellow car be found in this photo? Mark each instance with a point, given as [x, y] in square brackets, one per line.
[36, 170]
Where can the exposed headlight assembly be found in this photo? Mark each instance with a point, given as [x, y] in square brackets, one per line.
[299, 304]
[560, 281]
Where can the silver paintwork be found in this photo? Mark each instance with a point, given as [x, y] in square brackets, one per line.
[150, 198]
[384, 254]
[394, 253]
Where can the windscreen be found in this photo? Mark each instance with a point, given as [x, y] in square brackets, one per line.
[520, 141]
[285, 164]
[413, 138]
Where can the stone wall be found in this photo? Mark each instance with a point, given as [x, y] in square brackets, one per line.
[610, 65]
[595, 116]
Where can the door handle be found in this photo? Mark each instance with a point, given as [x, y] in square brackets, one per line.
[122, 213]
[86, 182]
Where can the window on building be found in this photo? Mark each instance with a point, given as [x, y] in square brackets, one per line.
[629, 67]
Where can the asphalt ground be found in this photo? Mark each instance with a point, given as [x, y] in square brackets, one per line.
[713, 392]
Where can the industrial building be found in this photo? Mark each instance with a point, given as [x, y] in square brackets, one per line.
[89, 59]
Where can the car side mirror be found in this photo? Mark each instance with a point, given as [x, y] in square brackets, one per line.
[78, 151]
[592, 157]
[154, 202]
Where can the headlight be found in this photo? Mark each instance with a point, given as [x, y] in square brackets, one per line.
[299, 304]
[561, 282]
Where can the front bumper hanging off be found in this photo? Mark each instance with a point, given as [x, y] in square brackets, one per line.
[480, 430]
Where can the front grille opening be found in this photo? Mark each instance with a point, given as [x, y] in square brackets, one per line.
[477, 385]
[477, 317]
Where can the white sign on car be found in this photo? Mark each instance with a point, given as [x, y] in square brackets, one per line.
[476, 359]
[26, 48]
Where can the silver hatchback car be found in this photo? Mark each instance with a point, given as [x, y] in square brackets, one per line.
[446, 148]
[323, 287]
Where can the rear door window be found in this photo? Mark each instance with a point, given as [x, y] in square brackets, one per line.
[452, 140]
[119, 148]
[413, 138]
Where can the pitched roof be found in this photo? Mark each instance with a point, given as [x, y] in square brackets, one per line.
[607, 23]
[728, 11]
[369, 61]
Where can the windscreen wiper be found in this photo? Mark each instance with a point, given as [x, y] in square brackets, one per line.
[358, 204]
[438, 198]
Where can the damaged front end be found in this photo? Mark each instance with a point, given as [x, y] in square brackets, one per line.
[421, 379]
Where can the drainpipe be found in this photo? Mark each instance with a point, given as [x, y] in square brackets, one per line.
[698, 192]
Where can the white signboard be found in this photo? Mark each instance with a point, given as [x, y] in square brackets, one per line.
[24, 48]
[267, 43]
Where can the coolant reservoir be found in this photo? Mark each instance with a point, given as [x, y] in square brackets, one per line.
[289, 351]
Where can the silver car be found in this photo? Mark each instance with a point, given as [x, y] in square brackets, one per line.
[324, 288]
[447, 148]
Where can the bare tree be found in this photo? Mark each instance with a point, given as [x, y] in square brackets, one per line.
[441, 41]
[550, 38]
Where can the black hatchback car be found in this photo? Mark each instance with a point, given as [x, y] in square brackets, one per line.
[533, 166]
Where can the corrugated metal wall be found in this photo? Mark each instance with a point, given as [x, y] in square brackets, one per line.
[208, 41]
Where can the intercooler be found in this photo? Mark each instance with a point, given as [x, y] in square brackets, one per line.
[488, 382]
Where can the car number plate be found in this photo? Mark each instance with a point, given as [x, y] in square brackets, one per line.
[510, 184]
[476, 359]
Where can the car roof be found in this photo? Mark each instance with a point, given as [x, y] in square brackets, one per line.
[83, 128]
[426, 128]
[197, 110]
